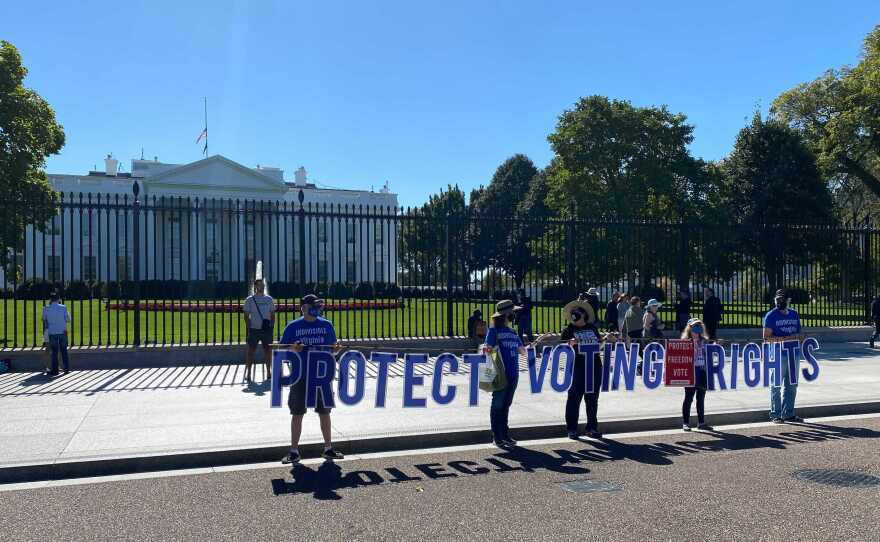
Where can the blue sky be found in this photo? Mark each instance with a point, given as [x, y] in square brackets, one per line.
[419, 94]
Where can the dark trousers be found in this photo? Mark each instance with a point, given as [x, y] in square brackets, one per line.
[525, 327]
[688, 400]
[876, 331]
[577, 393]
[500, 410]
[711, 329]
[58, 344]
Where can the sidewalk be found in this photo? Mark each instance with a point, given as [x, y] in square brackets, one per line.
[103, 414]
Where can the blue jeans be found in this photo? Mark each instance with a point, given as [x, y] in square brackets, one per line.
[783, 407]
[58, 343]
[500, 409]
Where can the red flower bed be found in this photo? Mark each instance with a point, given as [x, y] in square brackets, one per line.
[223, 306]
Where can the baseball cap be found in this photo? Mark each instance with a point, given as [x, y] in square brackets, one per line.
[310, 299]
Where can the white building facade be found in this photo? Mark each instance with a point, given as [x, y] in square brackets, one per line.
[211, 220]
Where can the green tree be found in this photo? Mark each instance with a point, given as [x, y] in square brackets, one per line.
[839, 115]
[773, 180]
[28, 134]
[423, 240]
[492, 234]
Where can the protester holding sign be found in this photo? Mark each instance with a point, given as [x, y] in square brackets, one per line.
[311, 331]
[581, 329]
[510, 346]
[783, 324]
[259, 316]
[695, 331]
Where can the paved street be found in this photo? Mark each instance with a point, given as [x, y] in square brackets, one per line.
[733, 484]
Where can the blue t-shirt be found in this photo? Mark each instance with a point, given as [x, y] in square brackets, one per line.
[317, 332]
[508, 342]
[782, 325]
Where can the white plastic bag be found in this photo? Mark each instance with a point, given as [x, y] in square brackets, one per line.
[487, 369]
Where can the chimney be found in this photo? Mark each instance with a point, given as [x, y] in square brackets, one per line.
[299, 176]
[110, 165]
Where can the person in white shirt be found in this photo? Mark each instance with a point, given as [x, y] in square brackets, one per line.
[55, 320]
[259, 317]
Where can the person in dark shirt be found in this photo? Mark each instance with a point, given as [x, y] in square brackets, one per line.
[875, 317]
[592, 298]
[611, 313]
[472, 323]
[712, 309]
[524, 316]
[682, 310]
[581, 329]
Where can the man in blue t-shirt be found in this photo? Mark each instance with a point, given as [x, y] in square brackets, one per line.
[309, 332]
[782, 324]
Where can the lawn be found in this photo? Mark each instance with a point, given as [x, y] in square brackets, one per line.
[94, 325]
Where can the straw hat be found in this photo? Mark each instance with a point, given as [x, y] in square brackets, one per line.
[504, 306]
[582, 305]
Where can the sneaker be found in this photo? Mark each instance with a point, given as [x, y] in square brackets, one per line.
[704, 427]
[594, 434]
[503, 444]
[331, 453]
[573, 435]
[776, 420]
[510, 442]
[292, 458]
[51, 373]
[793, 419]
[65, 371]
[685, 427]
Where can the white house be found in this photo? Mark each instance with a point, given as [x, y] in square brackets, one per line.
[212, 220]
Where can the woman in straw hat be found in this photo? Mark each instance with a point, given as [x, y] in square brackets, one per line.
[695, 330]
[581, 329]
[510, 346]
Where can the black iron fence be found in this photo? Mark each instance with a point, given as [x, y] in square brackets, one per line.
[160, 270]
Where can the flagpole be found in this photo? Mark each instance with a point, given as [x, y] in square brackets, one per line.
[206, 126]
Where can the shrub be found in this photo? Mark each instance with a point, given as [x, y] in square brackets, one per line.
[77, 289]
[650, 291]
[393, 291]
[364, 290]
[339, 290]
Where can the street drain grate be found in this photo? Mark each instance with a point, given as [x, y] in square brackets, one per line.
[589, 486]
[838, 477]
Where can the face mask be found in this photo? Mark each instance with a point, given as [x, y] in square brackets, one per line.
[315, 311]
[697, 329]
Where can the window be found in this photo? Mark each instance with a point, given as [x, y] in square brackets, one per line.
[351, 271]
[172, 245]
[380, 234]
[123, 267]
[86, 230]
[380, 271]
[54, 268]
[322, 270]
[322, 232]
[212, 255]
[293, 270]
[89, 267]
[349, 233]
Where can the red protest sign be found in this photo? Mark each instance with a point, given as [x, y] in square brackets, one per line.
[678, 367]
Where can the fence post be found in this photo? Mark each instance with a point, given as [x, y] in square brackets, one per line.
[684, 271]
[869, 283]
[570, 275]
[449, 311]
[136, 247]
[302, 243]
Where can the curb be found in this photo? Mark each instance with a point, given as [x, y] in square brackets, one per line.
[59, 470]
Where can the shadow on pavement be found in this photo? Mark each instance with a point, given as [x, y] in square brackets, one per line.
[328, 479]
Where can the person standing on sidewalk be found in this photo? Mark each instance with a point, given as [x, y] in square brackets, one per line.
[682, 310]
[309, 332]
[875, 317]
[632, 321]
[695, 331]
[510, 345]
[55, 320]
[524, 317]
[259, 317]
[611, 314]
[652, 325]
[712, 309]
[782, 324]
[622, 307]
[581, 329]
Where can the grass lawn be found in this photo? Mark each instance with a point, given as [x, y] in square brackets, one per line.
[93, 324]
